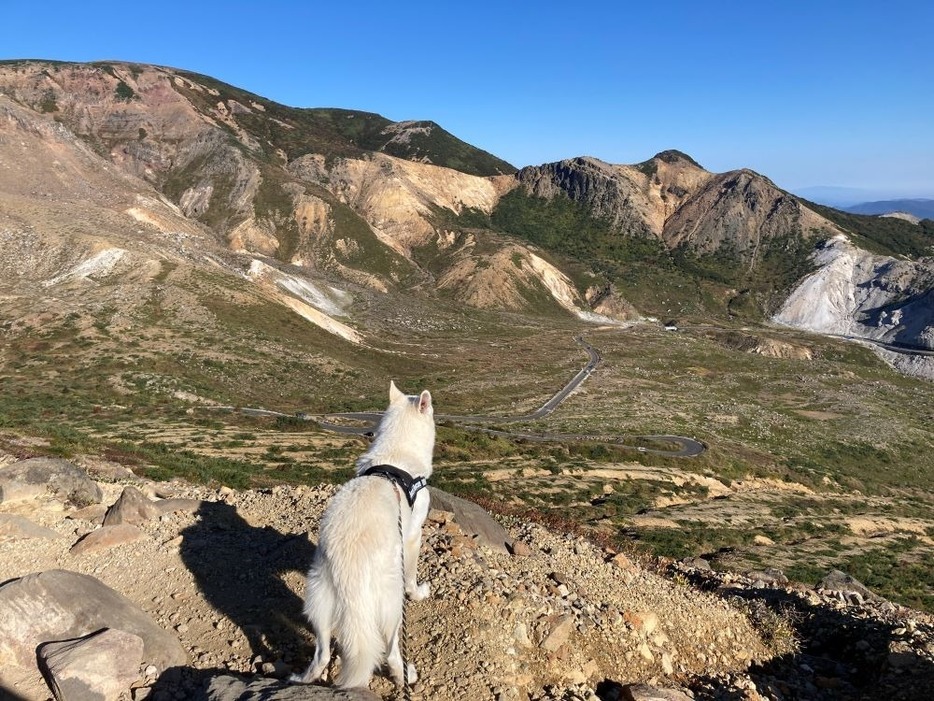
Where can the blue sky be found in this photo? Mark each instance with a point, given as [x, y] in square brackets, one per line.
[806, 93]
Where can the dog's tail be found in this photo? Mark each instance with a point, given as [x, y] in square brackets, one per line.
[368, 620]
[362, 651]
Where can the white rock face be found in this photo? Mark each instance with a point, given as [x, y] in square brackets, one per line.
[312, 302]
[856, 293]
[100, 264]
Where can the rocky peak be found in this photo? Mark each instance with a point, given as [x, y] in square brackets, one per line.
[675, 156]
[740, 209]
[672, 197]
[612, 192]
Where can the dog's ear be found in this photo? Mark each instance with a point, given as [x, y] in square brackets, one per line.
[394, 394]
[424, 402]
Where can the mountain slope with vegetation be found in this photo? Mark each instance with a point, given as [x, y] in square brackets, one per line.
[408, 206]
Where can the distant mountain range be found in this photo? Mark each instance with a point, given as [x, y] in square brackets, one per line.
[843, 197]
[921, 208]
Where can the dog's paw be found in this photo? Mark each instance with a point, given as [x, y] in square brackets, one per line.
[413, 674]
[419, 592]
[307, 677]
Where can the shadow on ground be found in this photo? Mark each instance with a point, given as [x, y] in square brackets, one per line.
[843, 656]
[8, 695]
[239, 569]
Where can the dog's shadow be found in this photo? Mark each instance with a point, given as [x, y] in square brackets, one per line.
[239, 568]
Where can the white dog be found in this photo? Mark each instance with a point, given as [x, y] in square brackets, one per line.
[355, 585]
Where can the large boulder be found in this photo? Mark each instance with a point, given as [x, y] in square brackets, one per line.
[473, 520]
[98, 667]
[841, 583]
[21, 528]
[61, 605]
[62, 478]
[132, 507]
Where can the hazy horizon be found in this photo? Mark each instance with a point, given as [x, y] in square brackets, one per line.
[848, 196]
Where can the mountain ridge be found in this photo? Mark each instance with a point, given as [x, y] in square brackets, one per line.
[353, 195]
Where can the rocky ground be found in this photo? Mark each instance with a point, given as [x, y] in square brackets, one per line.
[550, 617]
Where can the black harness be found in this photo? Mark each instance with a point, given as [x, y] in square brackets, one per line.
[409, 485]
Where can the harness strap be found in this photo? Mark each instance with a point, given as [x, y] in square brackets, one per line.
[409, 485]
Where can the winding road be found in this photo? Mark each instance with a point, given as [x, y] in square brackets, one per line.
[367, 421]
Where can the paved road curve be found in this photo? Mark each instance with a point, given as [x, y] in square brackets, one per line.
[367, 421]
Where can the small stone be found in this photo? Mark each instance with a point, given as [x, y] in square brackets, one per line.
[643, 621]
[451, 528]
[558, 633]
[770, 577]
[827, 682]
[439, 516]
[697, 563]
[520, 549]
[622, 562]
[590, 668]
[521, 635]
[560, 578]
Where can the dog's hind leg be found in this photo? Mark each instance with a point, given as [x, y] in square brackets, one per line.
[319, 611]
[321, 659]
[394, 662]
